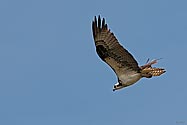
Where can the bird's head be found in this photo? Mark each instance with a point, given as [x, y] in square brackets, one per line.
[117, 86]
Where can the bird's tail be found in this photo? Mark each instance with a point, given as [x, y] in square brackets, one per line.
[148, 71]
[153, 71]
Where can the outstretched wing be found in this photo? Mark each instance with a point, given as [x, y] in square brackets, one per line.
[110, 51]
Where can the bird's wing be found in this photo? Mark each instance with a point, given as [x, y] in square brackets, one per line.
[110, 51]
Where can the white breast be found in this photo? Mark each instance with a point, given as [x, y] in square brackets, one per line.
[130, 78]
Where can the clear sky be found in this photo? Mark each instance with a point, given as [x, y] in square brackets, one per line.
[50, 73]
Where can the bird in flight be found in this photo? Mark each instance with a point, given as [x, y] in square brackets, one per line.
[118, 58]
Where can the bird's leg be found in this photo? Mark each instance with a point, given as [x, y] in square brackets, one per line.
[148, 71]
[147, 61]
[148, 64]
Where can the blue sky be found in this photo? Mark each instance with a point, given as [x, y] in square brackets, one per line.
[50, 73]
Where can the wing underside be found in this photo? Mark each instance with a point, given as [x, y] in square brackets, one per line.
[110, 51]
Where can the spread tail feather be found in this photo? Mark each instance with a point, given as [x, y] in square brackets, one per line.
[153, 71]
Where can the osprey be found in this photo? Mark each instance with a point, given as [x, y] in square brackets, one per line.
[118, 58]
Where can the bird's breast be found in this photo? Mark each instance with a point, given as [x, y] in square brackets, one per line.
[130, 78]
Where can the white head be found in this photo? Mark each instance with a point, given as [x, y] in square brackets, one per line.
[117, 86]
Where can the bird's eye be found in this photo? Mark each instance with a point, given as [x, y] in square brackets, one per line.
[114, 86]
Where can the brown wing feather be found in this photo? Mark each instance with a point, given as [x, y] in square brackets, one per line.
[109, 49]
